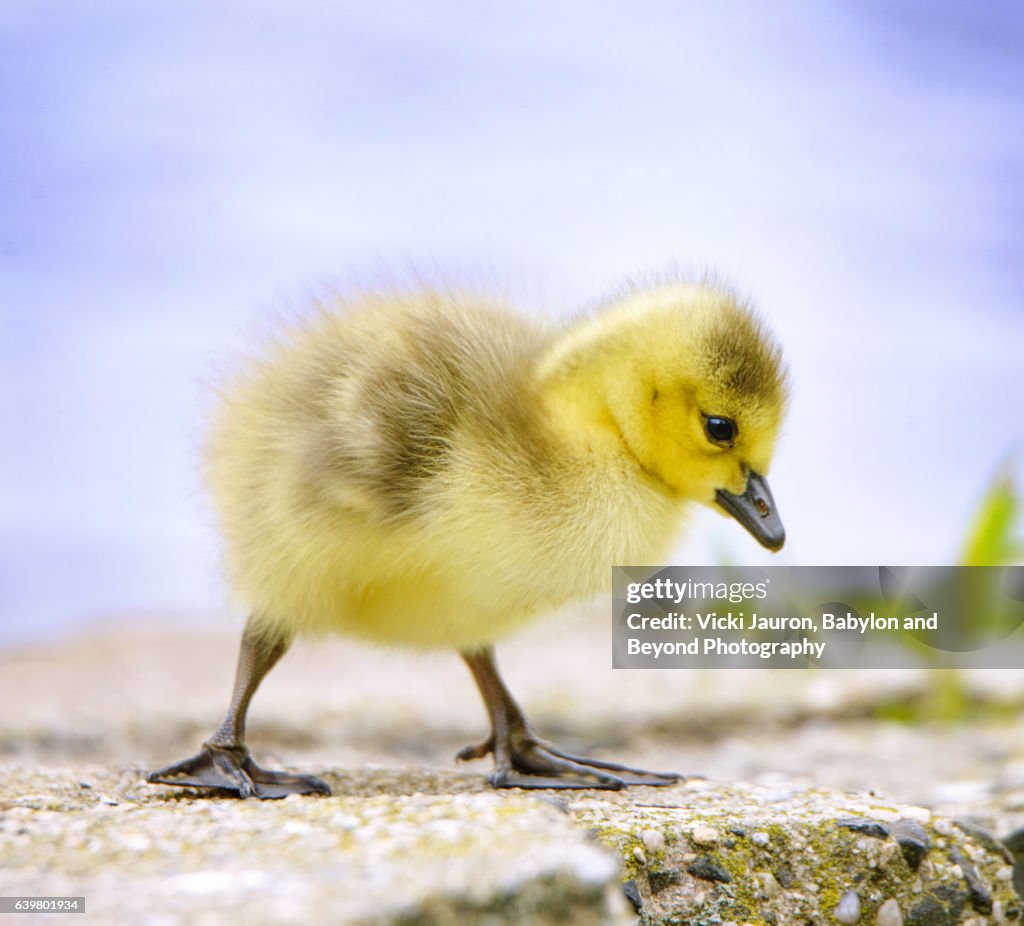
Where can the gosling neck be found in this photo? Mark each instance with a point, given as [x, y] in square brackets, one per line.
[582, 422]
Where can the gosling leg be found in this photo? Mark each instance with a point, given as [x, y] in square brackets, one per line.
[223, 761]
[522, 759]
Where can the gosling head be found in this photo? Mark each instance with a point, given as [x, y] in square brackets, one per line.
[695, 386]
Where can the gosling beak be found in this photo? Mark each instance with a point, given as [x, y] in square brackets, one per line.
[755, 510]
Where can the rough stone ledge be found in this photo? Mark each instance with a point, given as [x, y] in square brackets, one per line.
[708, 853]
[423, 846]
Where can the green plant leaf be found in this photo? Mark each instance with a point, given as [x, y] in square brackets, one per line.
[991, 539]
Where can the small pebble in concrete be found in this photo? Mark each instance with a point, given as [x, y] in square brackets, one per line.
[862, 825]
[709, 871]
[653, 840]
[659, 880]
[889, 914]
[769, 885]
[913, 841]
[848, 908]
[704, 835]
[638, 854]
[760, 839]
[786, 876]
[940, 907]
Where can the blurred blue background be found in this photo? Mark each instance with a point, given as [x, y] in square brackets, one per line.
[173, 175]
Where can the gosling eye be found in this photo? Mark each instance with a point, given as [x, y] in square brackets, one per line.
[720, 430]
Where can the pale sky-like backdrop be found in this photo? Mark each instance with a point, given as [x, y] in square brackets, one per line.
[173, 175]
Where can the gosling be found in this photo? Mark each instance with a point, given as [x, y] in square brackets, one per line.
[432, 469]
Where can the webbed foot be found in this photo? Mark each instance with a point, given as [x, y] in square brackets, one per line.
[524, 760]
[231, 768]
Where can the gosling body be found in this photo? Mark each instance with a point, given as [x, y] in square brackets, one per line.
[434, 469]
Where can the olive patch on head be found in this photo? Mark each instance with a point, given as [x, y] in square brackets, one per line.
[720, 430]
[742, 360]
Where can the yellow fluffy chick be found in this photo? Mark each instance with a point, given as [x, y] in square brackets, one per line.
[432, 469]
